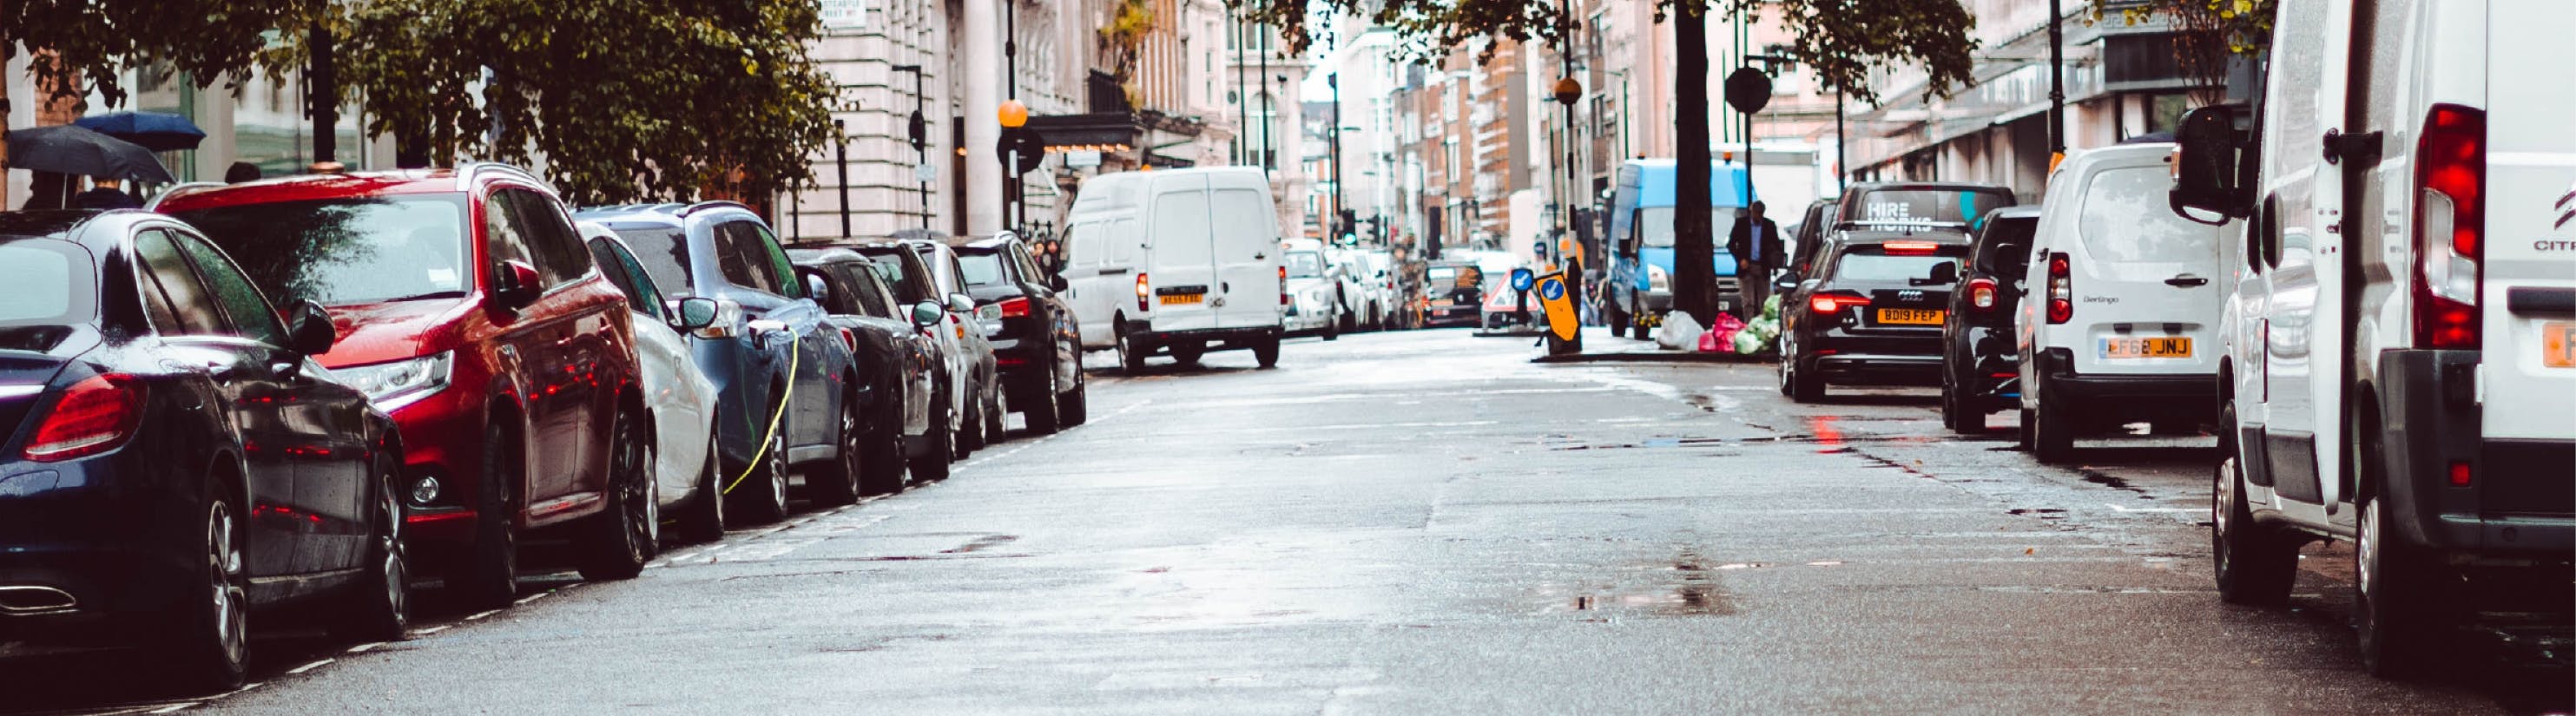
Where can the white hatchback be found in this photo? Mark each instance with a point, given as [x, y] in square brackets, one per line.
[2120, 323]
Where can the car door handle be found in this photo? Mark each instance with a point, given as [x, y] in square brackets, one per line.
[2186, 281]
[1115, 271]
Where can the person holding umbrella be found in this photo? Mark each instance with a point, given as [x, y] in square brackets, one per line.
[104, 193]
[75, 150]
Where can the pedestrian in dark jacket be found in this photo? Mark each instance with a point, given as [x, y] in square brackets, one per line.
[1756, 245]
[104, 194]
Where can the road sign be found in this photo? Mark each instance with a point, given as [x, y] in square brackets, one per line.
[1522, 279]
[1559, 303]
[1748, 90]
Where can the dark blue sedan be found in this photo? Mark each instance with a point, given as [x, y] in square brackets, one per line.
[171, 457]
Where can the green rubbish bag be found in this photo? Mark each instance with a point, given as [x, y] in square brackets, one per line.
[1771, 307]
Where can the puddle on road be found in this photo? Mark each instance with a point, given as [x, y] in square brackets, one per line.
[1696, 592]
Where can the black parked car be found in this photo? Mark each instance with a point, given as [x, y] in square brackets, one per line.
[171, 457]
[1871, 313]
[897, 359]
[914, 283]
[1979, 364]
[1036, 339]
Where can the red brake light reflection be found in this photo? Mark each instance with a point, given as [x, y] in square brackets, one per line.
[1910, 247]
[1015, 308]
[93, 416]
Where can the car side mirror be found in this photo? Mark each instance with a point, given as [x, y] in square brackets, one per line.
[817, 289]
[1057, 282]
[2207, 175]
[694, 313]
[310, 329]
[960, 303]
[515, 285]
[927, 313]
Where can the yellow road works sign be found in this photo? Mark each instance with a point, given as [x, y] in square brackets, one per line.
[1560, 306]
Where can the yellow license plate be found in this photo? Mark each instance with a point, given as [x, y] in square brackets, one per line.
[1184, 298]
[1909, 317]
[2167, 347]
[2558, 344]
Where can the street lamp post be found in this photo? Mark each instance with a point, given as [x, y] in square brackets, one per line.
[841, 156]
[2056, 83]
[919, 129]
[1333, 80]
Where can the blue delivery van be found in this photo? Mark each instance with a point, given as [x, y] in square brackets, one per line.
[1639, 288]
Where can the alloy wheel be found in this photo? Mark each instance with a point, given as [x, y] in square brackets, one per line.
[224, 560]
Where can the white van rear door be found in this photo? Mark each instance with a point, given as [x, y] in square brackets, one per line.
[1180, 268]
[2146, 280]
[1246, 250]
[2528, 334]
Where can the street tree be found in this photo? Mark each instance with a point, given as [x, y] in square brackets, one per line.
[80, 46]
[625, 100]
[1841, 42]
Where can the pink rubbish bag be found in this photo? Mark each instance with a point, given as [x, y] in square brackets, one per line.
[1720, 337]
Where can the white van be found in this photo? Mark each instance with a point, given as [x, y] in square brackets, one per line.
[2121, 319]
[1177, 260]
[2401, 347]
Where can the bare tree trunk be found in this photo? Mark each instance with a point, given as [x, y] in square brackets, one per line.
[1694, 244]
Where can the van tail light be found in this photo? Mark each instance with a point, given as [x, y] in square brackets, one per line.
[1981, 293]
[1836, 301]
[2061, 289]
[2450, 226]
[1144, 294]
[93, 416]
[1015, 307]
[1283, 286]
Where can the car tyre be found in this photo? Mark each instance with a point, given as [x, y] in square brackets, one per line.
[2052, 432]
[1074, 408]
[1131, 353]
[490, 576]
[704, 519]
[932, 466]
[994, 417]
[761, 496]
[970, 432]
[210, 650]
[379, 607]
[2395, 604]
[1047, 416]
[2028, 420]
[621, 538]
[1266, 352]
[882, 470]
[2254, 565]
[837, 483]
[1795, 382]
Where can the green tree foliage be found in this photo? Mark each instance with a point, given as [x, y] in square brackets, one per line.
[626, 100]
[1841, 41]
[82, 44]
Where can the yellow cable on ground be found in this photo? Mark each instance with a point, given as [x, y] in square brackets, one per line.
[793, 341]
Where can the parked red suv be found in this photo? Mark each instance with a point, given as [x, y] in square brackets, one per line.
[469, 310]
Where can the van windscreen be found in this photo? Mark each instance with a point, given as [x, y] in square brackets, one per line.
[2125, 218]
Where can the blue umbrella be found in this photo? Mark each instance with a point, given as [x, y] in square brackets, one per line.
[154, 130]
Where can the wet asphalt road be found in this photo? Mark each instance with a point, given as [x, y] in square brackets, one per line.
[1416, 523]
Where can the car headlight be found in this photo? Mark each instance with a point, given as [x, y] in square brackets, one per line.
[1657, 280]
[395, 384]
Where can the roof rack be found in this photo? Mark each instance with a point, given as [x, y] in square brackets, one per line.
[175, 190]
[467, 171]
[719, 203]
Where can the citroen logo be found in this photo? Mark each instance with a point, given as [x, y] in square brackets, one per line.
[2567, 207]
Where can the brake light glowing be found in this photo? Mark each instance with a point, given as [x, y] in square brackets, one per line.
[1283, 286]
[1015, 307]
[1144, 294]
[2061, 289]
[2450, 226]
[1910, 247]
[93, 416]
[1834, 302]
[1981, 293]
[2460, 473]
